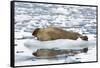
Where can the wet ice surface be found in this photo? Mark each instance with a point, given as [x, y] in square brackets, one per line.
[29, 16]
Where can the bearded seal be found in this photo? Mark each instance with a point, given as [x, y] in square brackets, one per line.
[53, 33]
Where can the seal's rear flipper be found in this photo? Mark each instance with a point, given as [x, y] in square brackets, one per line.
[85, 50]
[84, 38]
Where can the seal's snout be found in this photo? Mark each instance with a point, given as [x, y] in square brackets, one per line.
[34, 33]
[35, 54]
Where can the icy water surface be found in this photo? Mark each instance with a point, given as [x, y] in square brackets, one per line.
[29, 16]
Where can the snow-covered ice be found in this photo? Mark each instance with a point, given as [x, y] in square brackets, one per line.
[29, 16]
[60, 44]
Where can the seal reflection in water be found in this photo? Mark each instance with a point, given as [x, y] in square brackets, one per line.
[51, 53]
[53, 33]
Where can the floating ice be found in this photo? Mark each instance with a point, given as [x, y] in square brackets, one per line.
[59, 44]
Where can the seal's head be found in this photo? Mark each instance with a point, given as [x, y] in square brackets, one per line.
[35, 32]
[84, 38]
